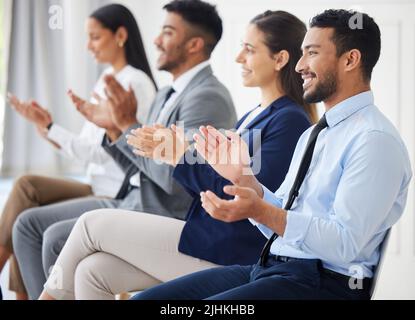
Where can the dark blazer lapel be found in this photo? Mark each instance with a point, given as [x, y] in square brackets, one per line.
[264, 114]
[276, 105]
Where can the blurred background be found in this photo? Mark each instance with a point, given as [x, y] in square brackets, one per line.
[43, 54]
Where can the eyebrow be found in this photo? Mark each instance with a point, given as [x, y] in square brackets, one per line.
[311, 46]
[169, 27]
[248, 45]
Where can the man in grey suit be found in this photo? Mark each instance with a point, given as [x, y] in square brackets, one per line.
[189, 35]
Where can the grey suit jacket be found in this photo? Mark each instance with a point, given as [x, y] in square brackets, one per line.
[204, 101]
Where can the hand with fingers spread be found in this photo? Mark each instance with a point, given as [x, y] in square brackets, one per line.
[228, 154]
[99, 114]
[246, 204]
[144, 140]
[122, 104]
[159, 143]
[31, 111]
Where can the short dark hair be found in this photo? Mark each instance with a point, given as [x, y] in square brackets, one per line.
[348, 35]
[201, 15]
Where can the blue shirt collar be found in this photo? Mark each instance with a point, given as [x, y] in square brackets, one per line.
[346, 108]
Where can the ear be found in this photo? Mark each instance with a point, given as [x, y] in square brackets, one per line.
[195, 45]
[281, 59]
[352, 60]
[121, 36]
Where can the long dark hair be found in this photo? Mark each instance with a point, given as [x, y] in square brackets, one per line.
[113, 17]
[284, 31]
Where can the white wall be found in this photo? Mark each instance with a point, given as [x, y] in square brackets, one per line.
[393, 85]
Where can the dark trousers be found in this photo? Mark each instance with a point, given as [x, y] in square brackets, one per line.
[293, 279]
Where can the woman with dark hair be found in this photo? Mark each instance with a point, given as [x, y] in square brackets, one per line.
[112, 253]
[114, 39]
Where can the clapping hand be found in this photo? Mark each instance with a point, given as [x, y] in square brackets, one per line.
[227, 154]
[246, 204]
[99, 114]
[31, 111]
[159, 143]
[122, 104]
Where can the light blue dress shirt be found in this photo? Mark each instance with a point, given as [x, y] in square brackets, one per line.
[354, 191]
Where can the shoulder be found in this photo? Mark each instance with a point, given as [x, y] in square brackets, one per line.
[370, 124]
[290, 115]
[210, 88]
[136, 77]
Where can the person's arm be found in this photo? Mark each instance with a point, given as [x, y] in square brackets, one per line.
[199, 176]
[205, 107]
[373, 178]
[357, 214]
[83, 148]
[112, 149]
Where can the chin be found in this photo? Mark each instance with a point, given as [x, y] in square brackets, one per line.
[248, 82]
[309, 92]
[161, 65]
[100, 60]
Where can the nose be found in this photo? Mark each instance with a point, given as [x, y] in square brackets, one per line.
[300, 65]
[240, 58]
[89, 45]
[157, 40]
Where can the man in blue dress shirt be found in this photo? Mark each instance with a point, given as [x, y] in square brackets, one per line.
[354, 189]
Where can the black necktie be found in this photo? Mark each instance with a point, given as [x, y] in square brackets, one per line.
[302, 171]
[168, 95]
[126, 186]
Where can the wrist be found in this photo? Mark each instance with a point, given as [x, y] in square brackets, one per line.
[273, 217]
[113, 134]
[49, 126]
[250, 181]
[127, 125]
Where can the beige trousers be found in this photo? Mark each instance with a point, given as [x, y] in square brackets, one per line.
[28, 192]
[113, 251]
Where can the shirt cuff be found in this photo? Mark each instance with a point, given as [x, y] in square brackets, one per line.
[297, 228]
[122, 140]
[58, 134]
[271, 198]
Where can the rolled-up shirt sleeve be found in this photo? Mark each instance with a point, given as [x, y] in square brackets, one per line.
[273, 199]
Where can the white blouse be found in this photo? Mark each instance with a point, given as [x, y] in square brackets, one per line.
[104, 175]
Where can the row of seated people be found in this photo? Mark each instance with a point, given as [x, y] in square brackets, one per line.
[181, 210]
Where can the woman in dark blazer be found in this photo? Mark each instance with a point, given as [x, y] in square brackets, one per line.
[134, 252]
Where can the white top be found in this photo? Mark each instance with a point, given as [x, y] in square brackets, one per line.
[179, 85]
[254, 113]
[104, 175]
